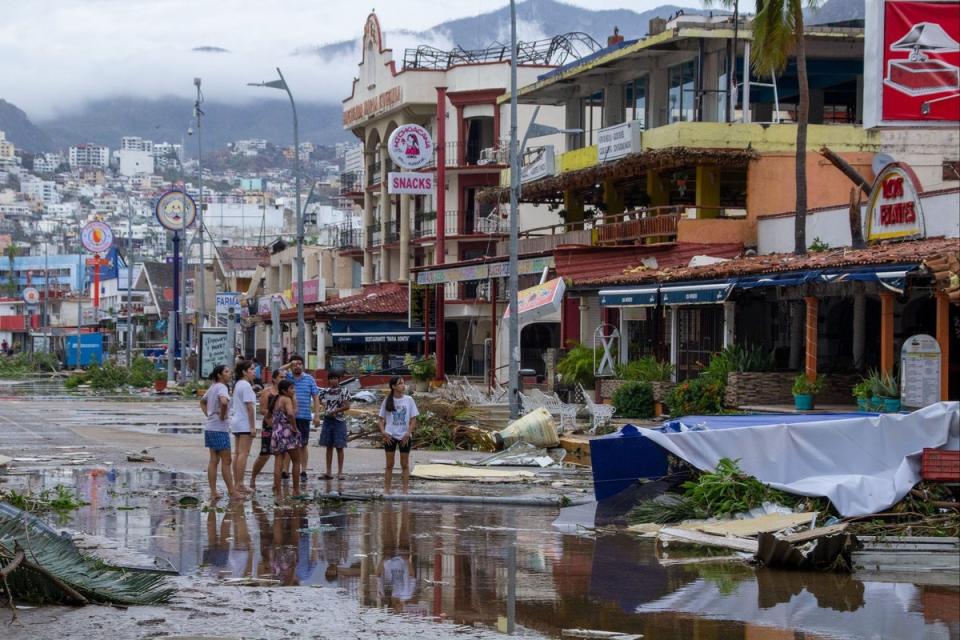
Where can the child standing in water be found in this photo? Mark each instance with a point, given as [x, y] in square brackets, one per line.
[215, 405]
[285, 437]
[398, 419]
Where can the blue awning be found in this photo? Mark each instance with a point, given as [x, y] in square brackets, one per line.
[791, 279]
[890, 276]
[373, 332]
[629, 297]
[696, 292]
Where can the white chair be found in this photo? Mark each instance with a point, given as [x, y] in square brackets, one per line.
[552, 403]
[600, 414]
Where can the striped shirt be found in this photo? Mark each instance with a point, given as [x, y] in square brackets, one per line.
[306, 389]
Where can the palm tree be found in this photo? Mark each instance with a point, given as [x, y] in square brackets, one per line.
[778, 32]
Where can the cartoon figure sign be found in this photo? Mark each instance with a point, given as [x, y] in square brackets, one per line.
[410, 146]
[171, 209]
[96, 237]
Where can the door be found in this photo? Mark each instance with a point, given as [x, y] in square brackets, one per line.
[699, 336]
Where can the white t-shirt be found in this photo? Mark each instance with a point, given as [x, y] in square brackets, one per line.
[242, 394]
[212, 398]
[396, 580]
[398, 421]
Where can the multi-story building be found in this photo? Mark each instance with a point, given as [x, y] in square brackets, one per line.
[89, 155]
[47, 162]
[136, 143]
[249, 147]
[40, 190]
[7, 150]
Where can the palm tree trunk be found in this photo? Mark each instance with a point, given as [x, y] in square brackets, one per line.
[800, 220]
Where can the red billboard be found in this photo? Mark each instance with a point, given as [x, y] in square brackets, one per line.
[912, 56]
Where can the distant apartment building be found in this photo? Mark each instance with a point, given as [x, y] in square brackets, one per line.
[249, 147]
[40, 190]
[166, 154]
[89, 155]
[7, 150]
[135, 143]
[47, 162]
[132, 162]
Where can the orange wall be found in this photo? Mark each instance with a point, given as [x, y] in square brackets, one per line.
[771, 187]
[717, 230]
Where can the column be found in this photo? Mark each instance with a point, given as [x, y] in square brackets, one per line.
[886, 333]
[404, 275]
[440, 252]
[321, 345]
[729, 323]
[859, 329]
[708, 191]
[811, 337]
[796, 336]
[674, 340]
[943, 338]
[367, 220]
[613, 103]
[384, 215]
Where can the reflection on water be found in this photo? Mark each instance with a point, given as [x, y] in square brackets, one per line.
[500, 567]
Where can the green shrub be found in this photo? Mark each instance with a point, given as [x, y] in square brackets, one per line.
[700, 396]
[421, 370]
[142, 372]
[743, 359]
[106, 377]
[803, 387]
[576, 367]
[634, 400]
[646, 369]
[23, 364]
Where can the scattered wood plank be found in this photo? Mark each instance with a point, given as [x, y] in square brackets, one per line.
[578, 449]
[593, 633]
[673, 534]
[823, 549]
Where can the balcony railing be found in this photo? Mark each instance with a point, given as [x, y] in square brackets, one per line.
[350, 237]
[425, 225]
[351, 182]
[374, 231]
[470, 154]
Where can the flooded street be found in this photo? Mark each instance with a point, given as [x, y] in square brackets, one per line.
[496, 569]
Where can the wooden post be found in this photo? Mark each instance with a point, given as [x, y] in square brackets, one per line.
[811, 337]
[886, 333]
[494, 286]
[943, 337]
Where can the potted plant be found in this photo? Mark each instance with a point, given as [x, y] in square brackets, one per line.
[862, 392]
[159, 381]
[888, 390]
[804, 390]
[423, 371]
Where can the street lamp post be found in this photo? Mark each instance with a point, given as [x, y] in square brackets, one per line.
[203, 268]
[83, 274]
[130, 332]
[281, 83]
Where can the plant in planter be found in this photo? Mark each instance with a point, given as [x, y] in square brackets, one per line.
[576, 367]
[862, 392]
[423, 371]
[160, 381]
[634, 400]
[804, 390]
[887, 388]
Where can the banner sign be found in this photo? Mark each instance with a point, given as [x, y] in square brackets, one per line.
[542, 164]
[314, 291]
[618, 141]
[228, 301]
[912, 69]
[410, 147]
[213, 350]
[893, 210]
[410, 183]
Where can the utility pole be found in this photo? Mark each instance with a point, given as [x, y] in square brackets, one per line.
[82, 274]
[513, 329]
[130, 332]
[203, 267]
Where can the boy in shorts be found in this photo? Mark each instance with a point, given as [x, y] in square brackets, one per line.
[333, 434]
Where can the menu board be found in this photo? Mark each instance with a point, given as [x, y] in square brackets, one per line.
[919, 371]
[213, 350]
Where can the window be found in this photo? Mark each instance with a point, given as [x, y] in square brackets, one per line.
[635, 98]
[682, 94]
[591, 118]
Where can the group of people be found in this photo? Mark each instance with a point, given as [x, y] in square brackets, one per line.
[289, 406]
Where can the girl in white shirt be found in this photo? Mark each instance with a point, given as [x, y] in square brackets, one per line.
[243, 422]
[398, 419]
[215, 404]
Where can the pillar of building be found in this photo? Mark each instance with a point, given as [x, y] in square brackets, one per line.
[440, 252]
[613, 103]
[573, 205]
[659, 196]
[796, 336]
[810, 342]
[612, 198]
[404, 275]
[321, 345]
[729, 323]
[708, 191]
[384, 214]
[886, 333]
[943, 338]
[367, 222]
[859, 329]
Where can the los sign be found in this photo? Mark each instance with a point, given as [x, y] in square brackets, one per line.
[893, 211]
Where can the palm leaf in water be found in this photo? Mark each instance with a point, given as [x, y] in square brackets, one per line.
[89, 577]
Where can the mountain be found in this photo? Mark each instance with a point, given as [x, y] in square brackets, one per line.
[165, 119]
[21, 132]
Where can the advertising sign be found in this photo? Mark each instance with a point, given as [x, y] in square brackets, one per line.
[912, 70]
[96, 237]
[314, 291]
[618, 141]
[213, 350]
[226, 301]
[410, 147]
[541, 164]
[410, 183]
[920, 371]
[31, 295]
[539, 300]
[893, 211]
[171, 209]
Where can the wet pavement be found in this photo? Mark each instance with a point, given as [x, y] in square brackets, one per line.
[374, 569]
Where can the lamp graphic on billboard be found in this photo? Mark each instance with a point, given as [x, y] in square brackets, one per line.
[919, 75]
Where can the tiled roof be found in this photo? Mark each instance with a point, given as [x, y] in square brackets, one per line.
[244, 258]
[388, 299]
[584, 265]
[884, 253]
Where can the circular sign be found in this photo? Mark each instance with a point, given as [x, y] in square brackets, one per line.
[96, 237]
[171, 209]
[410, 146]
[31, 295]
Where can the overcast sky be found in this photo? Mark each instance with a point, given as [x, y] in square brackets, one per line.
[55, 55]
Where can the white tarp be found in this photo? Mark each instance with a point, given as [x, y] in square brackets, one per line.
[863, 465]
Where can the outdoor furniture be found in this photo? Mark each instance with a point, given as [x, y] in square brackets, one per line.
[600, 413]
[552, 403]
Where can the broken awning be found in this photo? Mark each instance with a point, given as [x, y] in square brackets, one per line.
[892, 277]
[696, 292]
[629, 297]
[372, 331]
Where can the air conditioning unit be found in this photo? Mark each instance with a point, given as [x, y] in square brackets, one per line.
[493, 155]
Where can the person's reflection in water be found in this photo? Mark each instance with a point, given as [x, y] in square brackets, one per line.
[307, 541]
[265, 567]
[286, 539]
[217, 554]
[397, 582]
[241, 562]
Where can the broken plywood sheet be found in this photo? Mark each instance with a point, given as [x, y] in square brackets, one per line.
[673, 534]
[752, 526]
[451, 472]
